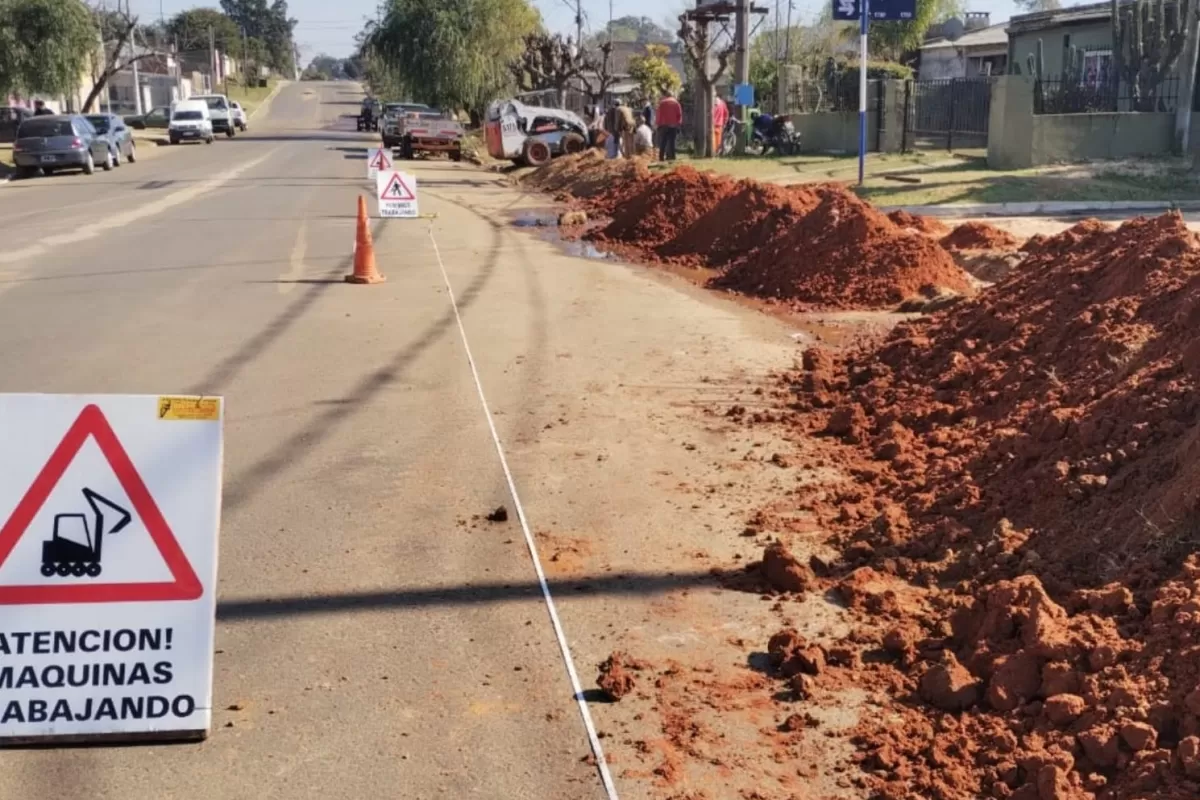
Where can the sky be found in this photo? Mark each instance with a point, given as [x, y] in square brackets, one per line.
[329, 26]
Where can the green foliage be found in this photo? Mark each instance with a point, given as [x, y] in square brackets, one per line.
[45, 45]
[890, 41]
[652, 72]
[637, 30]
[453, 54]
[269, 24]
[883, 70]
[190, 30]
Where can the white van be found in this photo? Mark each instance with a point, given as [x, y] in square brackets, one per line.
[190, 120]
[220, 111]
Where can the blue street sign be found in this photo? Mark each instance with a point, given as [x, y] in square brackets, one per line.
[880, 10]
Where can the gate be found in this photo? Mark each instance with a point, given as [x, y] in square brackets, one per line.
[947, 113]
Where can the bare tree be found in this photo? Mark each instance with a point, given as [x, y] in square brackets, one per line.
[598, 76]
[117, 29]
[547, 62]
[701, 47]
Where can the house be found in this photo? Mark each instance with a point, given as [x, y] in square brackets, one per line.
[1087, 27]
[965, 49]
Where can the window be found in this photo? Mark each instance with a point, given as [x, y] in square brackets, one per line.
[99, 123]
[46, 128]
[1097, 65]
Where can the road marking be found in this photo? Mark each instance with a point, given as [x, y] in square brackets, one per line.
[150, 209]
[287, 280]
[584, 712]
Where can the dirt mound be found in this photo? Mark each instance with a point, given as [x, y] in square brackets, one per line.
[845, 254]
[616, 678]
[929, 226]
[664, 206]
[1032, 457]
[589, 175]
[979, 236]
[741, 222]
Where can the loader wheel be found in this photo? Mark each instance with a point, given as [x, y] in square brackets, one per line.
[93, 570]
[537, 153]
[573, 143]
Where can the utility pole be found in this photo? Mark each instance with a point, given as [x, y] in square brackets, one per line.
[1187, 86]
[741, 68]
[137, 84]
[212, 57]
[579, 26]
[245, 61]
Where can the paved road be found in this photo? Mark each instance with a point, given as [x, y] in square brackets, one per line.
[379, 647]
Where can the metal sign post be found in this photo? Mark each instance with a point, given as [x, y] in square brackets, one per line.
[849, 11]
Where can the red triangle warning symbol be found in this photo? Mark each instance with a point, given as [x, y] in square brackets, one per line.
[397, 189]
[185, 586]
[381, 161]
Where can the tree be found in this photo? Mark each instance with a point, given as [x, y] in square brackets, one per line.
[547, 62]
[598, 77]
[268, 24]
[890, 41]
[114, 54]
[189, 29]
[638, 30]
[653, 74]
[1037, 5]
[453, 54]
[44, 45]
[700, 48]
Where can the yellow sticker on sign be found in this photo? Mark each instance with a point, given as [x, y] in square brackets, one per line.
[190, 409]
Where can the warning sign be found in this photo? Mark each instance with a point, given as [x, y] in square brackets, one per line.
[397, 194]
[108, 560]
[378, 160]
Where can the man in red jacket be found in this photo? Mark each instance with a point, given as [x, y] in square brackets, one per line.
[670, 119]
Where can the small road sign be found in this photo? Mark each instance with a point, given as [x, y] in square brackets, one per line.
[378, 160]
[109, 512]
[397, 193]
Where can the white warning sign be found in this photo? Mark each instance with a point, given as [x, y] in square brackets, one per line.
[378, 160]
[109, 514]
[397, 194]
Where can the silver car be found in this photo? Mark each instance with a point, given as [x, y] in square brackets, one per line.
[120, 138]
[59, 141]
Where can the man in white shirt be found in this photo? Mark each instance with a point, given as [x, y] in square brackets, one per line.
[643, 139]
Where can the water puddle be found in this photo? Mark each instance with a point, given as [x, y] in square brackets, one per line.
[546, 225]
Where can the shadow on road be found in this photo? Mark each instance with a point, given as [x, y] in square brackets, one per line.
[638, 584]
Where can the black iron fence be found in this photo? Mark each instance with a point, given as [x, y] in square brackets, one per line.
[947, 113]
[1093, 96]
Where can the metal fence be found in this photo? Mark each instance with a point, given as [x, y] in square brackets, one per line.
[947, 112]
[1088, 96]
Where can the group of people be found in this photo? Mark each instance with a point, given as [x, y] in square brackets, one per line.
[628, 134]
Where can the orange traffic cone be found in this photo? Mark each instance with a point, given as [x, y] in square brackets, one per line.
[364, 250]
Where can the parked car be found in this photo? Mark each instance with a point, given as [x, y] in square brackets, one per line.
[11, 118]
[219, 113]
[120, 138]
[59, 141]
[190, 120]
[157, 117]
[239, 116]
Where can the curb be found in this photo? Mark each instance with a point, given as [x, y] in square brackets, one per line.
[1046, 209]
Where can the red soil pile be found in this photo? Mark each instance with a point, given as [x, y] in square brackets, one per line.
[1032, 458]
[979, 236]
[589, 175]
[664, 206]
[845, 253]
[926, 225]
[741, 222]
[616, 678]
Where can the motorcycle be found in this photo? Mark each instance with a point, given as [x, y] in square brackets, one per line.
[780, 136]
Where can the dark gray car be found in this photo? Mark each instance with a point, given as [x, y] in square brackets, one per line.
[120, 138]
[59, 141]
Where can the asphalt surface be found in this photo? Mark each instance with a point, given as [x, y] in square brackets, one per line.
[373, 641]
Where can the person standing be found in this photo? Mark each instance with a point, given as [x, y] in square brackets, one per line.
[720, 117]
[40, 110]
[670, 120]
[643, 140]
[612, 130]
[628, 126]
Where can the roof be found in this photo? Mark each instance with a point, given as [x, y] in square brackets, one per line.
[1039, 20]
[991, 36]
